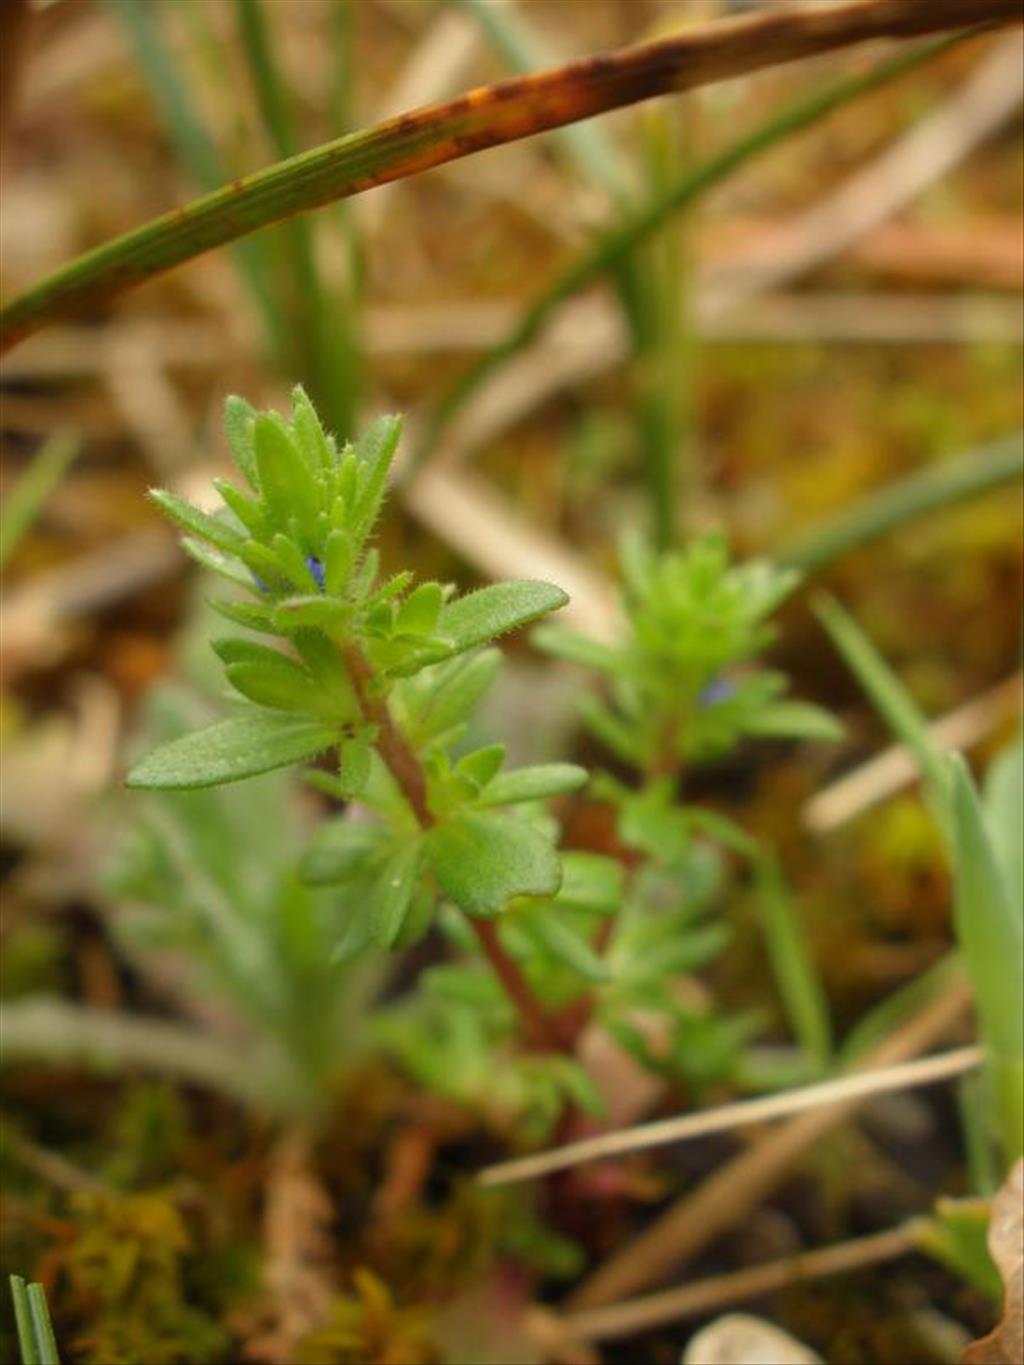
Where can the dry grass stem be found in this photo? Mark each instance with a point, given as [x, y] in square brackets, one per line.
[736, 1187]
[895, 768]
[727, 1117]
[876, 193]
[722, 1291]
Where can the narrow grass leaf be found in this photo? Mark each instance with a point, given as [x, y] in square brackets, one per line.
[800, 985]
[25, 500]
[991, 931]
[889, 696]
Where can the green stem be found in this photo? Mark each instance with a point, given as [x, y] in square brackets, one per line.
[483, 118]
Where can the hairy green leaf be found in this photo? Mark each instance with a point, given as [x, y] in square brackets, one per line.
[533, 784]
[198, 523]
[484, 615]
[481, 861]
[242, 746]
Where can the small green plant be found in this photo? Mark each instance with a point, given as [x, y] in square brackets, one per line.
[682, 687]
[380, 675]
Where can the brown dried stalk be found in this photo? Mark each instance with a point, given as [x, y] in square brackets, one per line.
[487, 117]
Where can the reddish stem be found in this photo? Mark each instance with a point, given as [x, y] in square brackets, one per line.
[539, 1030]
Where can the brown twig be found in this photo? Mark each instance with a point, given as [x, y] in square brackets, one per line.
[721, 1291]
[735, 1188]
[488, 117]
[404, 766]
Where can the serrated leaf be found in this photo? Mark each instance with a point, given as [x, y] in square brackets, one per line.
[793, 720]
[536, 783]
[224, 566]
[267, 571]
[231, 750]
[239, 418]
[482, 860]
[375, 451]
[294, 563]
[339, 556]
[312, 438]
[246, 509]
[286, 483]
[196, 522]
[252, 615]
[490, 612]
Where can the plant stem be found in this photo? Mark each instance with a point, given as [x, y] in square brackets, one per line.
[484, 118]
[539, 1030]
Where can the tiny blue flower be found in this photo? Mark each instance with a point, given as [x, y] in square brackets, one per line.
[719, 690]
[316, 568]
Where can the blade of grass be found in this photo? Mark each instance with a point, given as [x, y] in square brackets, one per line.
[197, 150]
[36, 1342]
[321, 353]
[991, 929]
[46, 1341]
[33, 488]
[23, 1322]
[944, 484]
[484, 118]
[891, 699]
[989, 924]
[796, 976]
[613, 246]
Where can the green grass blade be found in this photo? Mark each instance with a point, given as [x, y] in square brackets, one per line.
[1004, 814]
[46, 1342]
[32, 489]
[945, 484]
[320, 352]
[891, 699]
[198, 152]
[800, 985]
[991, 930]
[416, 142]
[604, 256]
[23, 1322]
